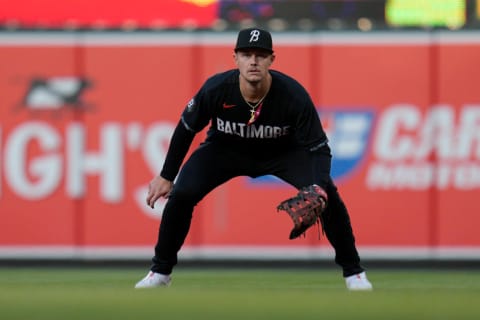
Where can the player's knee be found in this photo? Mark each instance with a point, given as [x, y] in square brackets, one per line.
[184, 196]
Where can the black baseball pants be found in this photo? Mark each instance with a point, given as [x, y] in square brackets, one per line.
[213, 164]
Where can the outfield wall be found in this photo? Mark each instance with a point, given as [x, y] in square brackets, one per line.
[85, 120]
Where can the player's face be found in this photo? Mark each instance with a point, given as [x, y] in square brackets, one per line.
[253, 64]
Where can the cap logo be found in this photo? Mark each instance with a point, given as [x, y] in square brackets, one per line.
[254, 34]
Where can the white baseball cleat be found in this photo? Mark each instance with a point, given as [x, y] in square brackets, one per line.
[153, 280]
[358, 282]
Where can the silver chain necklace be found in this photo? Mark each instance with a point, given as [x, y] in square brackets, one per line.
[254, 113]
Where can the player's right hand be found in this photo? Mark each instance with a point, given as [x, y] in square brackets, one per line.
[157, 188]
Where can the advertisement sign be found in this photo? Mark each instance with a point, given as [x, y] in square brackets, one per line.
[108, 14]
[86, 122]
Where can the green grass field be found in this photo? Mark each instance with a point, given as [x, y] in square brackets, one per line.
[99, 293]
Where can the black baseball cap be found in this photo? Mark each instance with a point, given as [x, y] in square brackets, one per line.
[254, 38]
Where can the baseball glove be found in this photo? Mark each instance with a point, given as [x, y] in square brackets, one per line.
[305, 209]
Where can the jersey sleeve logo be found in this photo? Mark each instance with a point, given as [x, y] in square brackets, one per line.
[191, 105]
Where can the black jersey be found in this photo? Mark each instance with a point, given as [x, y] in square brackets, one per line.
[285, 116]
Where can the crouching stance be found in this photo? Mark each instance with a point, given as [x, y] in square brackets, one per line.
[263, 122]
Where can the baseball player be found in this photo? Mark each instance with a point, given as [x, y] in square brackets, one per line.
[262, 122]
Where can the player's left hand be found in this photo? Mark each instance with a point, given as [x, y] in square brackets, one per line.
[305, 209]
